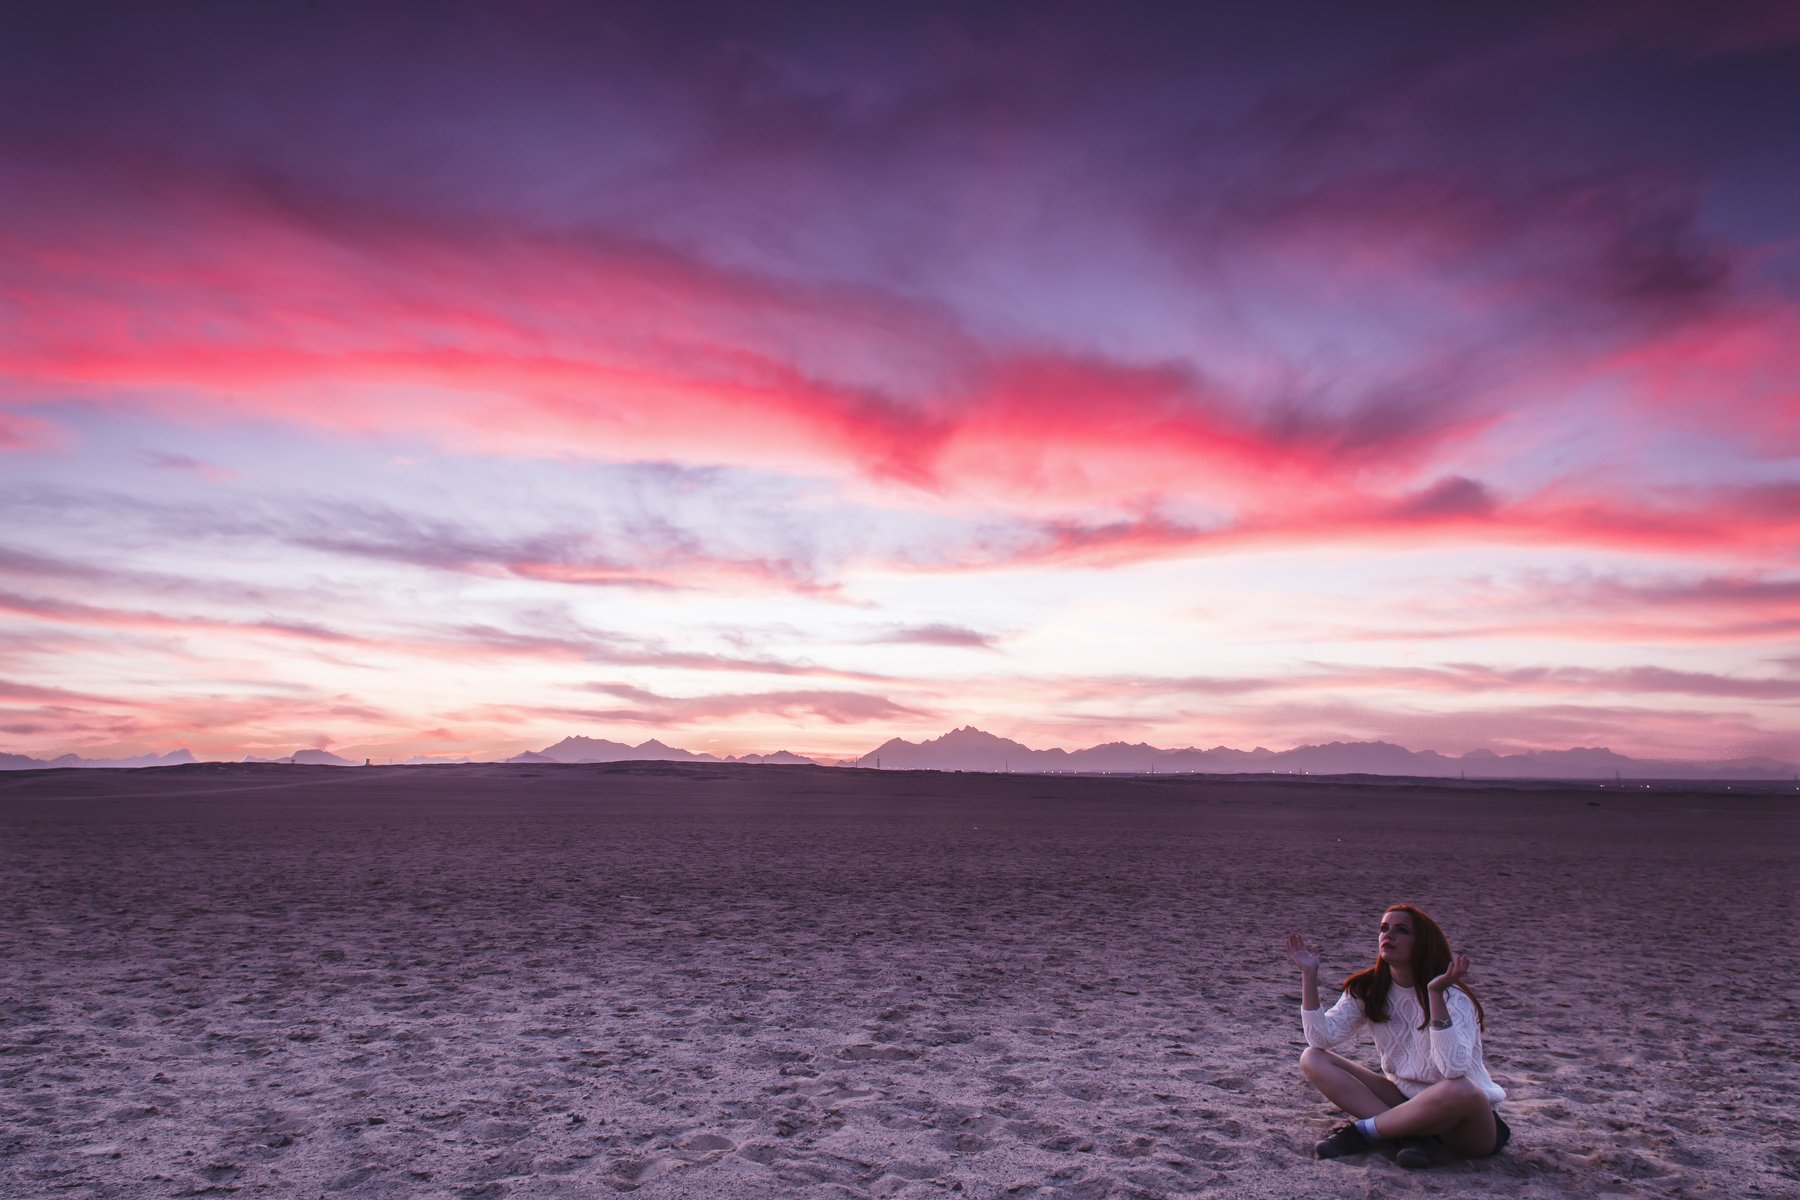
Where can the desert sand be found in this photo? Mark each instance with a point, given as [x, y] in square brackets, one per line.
[787, 981]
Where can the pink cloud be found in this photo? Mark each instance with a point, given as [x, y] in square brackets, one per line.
[205, 721]
[1449, 678]
[575, 645]
[400, 635]
[503, 341]
[1739, 371]
[833, 707]
[99, 616]
[21, 433]
[1642, 680]
[521, 343]
[13, 691]
[1752, 523]
[1696, 610]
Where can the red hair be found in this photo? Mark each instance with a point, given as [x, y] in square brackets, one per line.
[1430, 955]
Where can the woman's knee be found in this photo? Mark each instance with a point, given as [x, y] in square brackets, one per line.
[1312, 1059]
[1463, 1090]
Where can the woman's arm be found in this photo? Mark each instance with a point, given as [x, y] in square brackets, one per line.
[1454, 1036]
[1322, 1029]
[1307, 959]
[1459, 966]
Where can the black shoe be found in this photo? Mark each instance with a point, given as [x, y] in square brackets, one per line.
[1342, 1142]
[1420, 1152]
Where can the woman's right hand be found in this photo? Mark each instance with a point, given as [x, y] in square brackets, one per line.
[1305, 957]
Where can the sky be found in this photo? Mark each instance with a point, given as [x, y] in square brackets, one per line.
[446, 379]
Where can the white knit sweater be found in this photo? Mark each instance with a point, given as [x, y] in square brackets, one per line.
[1413, 1058]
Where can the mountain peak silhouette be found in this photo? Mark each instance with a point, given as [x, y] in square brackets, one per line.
[967, 748]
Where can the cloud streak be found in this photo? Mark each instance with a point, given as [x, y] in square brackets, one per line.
[644, 707]
[938, 634]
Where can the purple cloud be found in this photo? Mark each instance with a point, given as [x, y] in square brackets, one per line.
[941, 634]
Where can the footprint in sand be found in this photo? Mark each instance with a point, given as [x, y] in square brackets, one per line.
[628, 1174]
[831, 1089]
[704, 1147]
[868, 1053]
[102, 1150]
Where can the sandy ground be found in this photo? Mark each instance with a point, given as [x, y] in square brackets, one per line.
[762, 981]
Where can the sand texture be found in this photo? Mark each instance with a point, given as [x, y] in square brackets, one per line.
[771, 981]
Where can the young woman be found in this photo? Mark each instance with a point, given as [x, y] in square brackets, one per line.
[1434, 1095]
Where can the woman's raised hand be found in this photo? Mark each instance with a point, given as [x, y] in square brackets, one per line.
[1459, 966]
[1305, 957]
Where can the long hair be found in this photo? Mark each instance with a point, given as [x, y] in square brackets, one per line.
[1430, 955]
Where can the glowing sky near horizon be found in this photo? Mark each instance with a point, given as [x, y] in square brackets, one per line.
[448, 379]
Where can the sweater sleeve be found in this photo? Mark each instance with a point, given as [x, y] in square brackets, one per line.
[1325, 1028]
[1456, 1050]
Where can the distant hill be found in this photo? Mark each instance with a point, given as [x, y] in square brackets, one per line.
[569, 750]
[599, 750]
[971, 749]
[965, 749]
[308, 758]
[780, 758]
[19, 762]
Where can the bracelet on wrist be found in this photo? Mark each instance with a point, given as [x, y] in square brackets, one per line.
[1443, 1024]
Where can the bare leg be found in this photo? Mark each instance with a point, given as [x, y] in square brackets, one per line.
[1353, 1088]
[1454, 1110]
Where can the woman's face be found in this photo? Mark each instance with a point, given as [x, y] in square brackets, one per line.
[1396, 942]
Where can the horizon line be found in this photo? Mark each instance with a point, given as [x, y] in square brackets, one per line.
[1479, 754]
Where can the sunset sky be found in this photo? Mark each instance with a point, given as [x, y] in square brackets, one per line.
[447, 379]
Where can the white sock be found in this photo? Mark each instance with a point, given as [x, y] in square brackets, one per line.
[1366, 1127]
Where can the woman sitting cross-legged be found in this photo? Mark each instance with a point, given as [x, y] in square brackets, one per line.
[1434, 1095]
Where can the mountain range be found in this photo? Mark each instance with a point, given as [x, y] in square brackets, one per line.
[19, 762]
[309, 758]
[971, 749]
[599, 750]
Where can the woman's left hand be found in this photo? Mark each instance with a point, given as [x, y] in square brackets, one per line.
[1459, 966]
